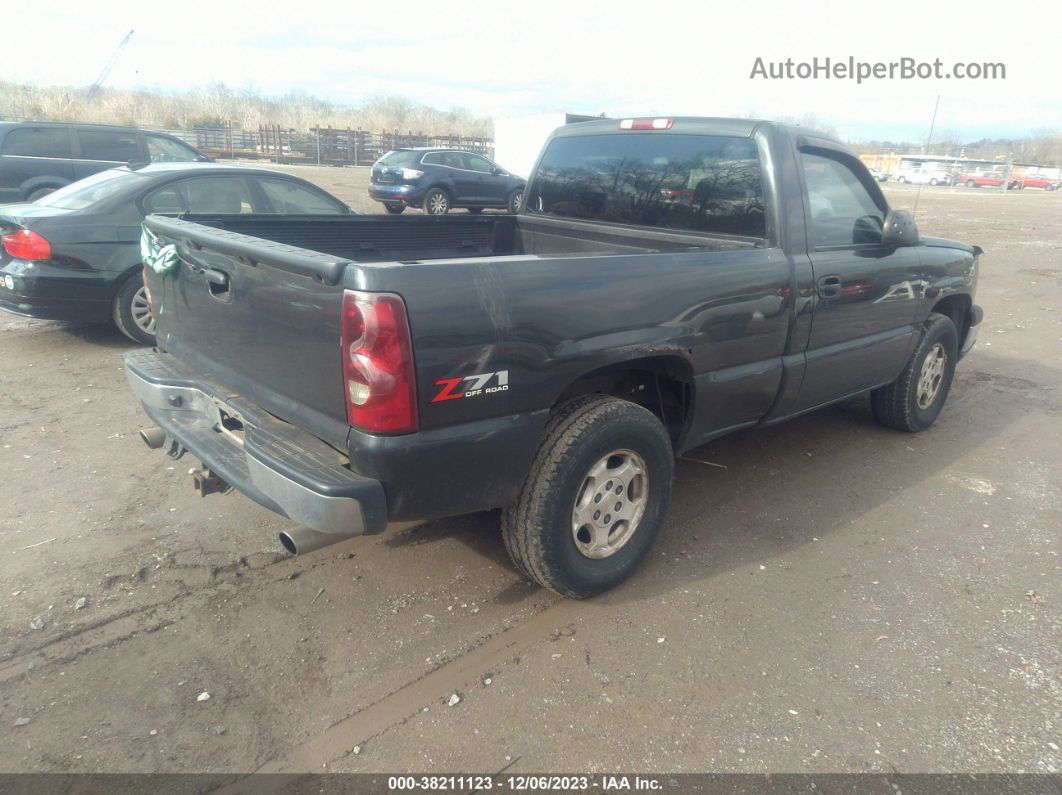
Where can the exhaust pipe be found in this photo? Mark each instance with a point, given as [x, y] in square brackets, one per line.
[301, 540]
[153, 437]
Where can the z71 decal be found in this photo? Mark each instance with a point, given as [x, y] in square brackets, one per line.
[471, 386]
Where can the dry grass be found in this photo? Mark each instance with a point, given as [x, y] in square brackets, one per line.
[214, 104]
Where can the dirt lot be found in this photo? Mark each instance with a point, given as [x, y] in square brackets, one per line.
[833, 597]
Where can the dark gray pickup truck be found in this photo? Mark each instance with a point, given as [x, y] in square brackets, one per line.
[667, 281]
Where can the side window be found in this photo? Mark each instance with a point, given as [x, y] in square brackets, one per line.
[453, 159]
[291, 198]
[163, 150]
[167, 200]
[843, 213]
[480, 164]
[432, 159]
[38, 142]
[110, 145]
[218, 195]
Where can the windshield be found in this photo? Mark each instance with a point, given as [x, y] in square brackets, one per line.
[85, 192]
[400, 158]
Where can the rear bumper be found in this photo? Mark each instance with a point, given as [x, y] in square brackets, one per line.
[405, 194]
[976, 316]
[275, 464]
[50, 293]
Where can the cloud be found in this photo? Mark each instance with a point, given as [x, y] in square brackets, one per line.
[618, 58]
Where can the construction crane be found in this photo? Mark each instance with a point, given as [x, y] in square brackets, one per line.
[110, 62]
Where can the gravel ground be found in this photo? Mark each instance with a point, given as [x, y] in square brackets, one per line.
[834, 597]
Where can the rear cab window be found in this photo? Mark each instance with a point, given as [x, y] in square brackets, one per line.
[53, 142]
[699, 183]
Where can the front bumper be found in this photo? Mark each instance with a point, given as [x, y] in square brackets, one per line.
[274, 463]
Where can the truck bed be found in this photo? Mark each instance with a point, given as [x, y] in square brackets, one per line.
[381, 238]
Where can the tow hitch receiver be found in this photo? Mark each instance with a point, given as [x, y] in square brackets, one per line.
[205, 482]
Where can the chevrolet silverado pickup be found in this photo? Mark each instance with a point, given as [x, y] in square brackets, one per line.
[665, 281]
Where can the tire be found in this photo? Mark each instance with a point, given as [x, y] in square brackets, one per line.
[516, 198]
[902, 179]
[539, 529]
[475, 210]
[394, 208]
[437, 202]
[129, 304]
[933, 181]
[905, 404]
[971, 184]
[38, 193]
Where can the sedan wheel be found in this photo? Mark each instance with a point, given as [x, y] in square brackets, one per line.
[132, 312]
[516, 198]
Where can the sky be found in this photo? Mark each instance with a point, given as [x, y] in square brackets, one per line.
[619, 58]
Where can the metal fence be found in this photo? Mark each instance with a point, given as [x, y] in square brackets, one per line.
[324, 145]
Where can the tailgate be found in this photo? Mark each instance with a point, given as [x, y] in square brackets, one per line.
[260, 318]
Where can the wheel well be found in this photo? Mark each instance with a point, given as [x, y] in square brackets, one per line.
[661, 384]
[957, 307]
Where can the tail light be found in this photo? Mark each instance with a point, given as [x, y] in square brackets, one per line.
[410, 173]
[379, 382]
[26, 244]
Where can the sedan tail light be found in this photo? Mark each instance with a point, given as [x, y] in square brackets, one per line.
[379, 381]
[26, 244]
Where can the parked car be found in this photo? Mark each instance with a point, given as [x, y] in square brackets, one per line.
[74, 254]
[39, 157]
[438, 180]
[877, 174]
[923, 176]
[550, 363]
[982, 179]
[1038, 181]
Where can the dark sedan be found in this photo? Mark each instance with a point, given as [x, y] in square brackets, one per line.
[75, 253]
[437, 180]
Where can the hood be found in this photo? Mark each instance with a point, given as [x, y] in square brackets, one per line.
[941, 242]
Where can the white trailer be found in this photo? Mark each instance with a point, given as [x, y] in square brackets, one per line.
[519, 139]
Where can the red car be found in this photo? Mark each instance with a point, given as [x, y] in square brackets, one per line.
[982, 179]
[1038, 181]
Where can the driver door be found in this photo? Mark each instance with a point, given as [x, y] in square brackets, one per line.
[866, 293]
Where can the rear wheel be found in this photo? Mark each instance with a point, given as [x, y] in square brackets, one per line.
[933, 181]
[437, 202]
[34, 195]
[595, 497]
[901, 179]
[914, 400]
[394, 208]
[970, 183]
[132, 313]
[516, 198]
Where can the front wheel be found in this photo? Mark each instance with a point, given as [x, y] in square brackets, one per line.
[595, 497]
[933, 181]
[516, 198]
[394, 208]
[914, 400]
[132, 312]
[970, 183]
[901, 179]
[437, 202]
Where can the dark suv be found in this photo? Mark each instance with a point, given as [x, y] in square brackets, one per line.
[39, 157]
[437, 180]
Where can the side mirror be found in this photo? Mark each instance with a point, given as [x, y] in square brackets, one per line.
[498, 172]
[900, 229]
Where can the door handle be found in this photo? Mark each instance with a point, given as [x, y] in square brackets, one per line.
[829, 286]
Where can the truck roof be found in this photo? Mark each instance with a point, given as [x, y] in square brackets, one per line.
[695, 125]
